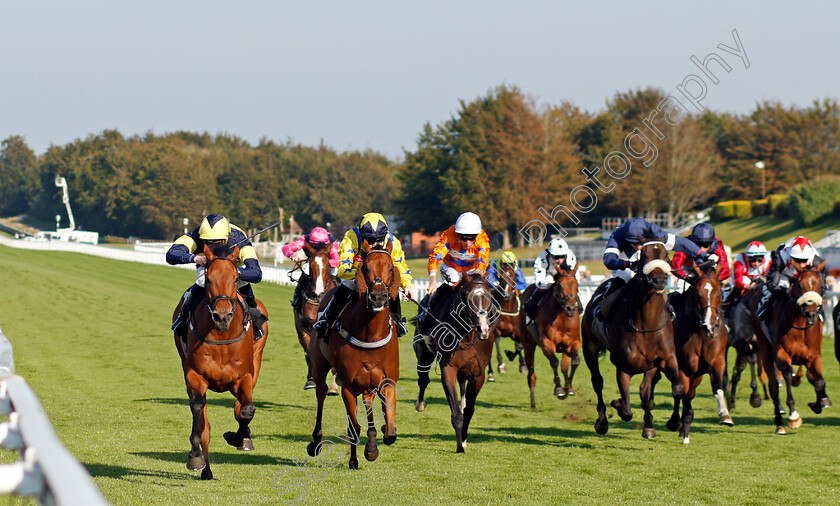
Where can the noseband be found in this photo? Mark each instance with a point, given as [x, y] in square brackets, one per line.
[377, 281]
[716, 323]
[567, 302]
[211, 304]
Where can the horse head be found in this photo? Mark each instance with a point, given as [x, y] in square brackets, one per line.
[565, 290]
[378, 279]
[706, 287]
[478, 299]
[654, 265]
[319, 271]
[806, 292]
[507, 281]
[221, 281]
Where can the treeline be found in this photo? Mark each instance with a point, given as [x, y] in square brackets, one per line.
[499, 155]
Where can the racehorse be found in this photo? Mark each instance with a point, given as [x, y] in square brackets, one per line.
[640, 338]
[742, 338]
[320, 281]
[221, 355]
[363, 350]
[459, 340]
[510, 306]
[558, 324]
[795, 337]
[700, 341]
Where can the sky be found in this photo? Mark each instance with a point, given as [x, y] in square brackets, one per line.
[369, 75]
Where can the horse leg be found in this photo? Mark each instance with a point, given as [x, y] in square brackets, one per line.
[815, 377]
[320, 369]
[548, 349]
[531, 378]
[574, 360]
[796, 379]
[679, 383]
[769, 367]
[199, 457]
[737, 369]
[371, 451]
[674, 423]
[449, 379]
[623, 405]
[690, 385]
[350, 405]
[716, 375]
[502, 368]
[388, 394]
[473, 387]
[785, 367]
[645, 392]
[425, 359]
[590, 355]
[243, 412]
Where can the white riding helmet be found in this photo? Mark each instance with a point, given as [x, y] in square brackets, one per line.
[468, 224]
[802, 249]
[557, 247]
[756, 248]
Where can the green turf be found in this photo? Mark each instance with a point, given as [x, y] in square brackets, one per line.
[770, 230]
[91, 337]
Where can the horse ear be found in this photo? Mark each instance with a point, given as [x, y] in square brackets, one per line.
[389, 246]
[396, 281]
[820, 267]
[698, 272]
[208, 253]
[309, 249]
[234, 255]
[574, 271]
[361, 284]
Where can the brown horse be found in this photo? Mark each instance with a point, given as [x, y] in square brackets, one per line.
[558, 324]
[742, 338]
[460, 341]
[510, 306]
[795, 337]
[364, 351]
[641, 338]
[221, 355]
[320, 281]
[700, 340]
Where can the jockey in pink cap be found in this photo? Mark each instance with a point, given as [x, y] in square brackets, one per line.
[319, 239]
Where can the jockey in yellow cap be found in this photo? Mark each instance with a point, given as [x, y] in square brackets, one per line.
[371, 232]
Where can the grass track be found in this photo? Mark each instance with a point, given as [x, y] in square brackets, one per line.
[91, 337]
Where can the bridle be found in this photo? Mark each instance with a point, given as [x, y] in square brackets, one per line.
[211, 303]
[377, 281]
[475, 310]
[568, 303]
[716, 323]
[811, 316]
[648, 280]
[315, 299]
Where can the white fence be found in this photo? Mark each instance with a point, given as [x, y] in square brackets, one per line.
[46, 469]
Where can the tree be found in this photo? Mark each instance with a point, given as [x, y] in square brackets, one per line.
[18, 176]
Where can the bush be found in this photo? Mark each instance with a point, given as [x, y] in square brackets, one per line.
[777, 204]
[723, 211]
[742, 208]
[813, 200]
[760, 207]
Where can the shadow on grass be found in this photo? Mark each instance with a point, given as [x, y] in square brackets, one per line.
[227, 402]
[120, 472]
[441, 400]
[245, 458]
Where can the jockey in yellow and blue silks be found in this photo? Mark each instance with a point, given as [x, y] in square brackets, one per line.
[214, 230]
[493, 273]
[372, 232]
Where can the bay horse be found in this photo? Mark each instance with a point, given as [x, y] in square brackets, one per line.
[319, 282]
[221, 355]
[363, 350]
[742, 338]
[558, 324]
[795, 338]
[510, 306]
[640, 338]
[460, 342]
[700, 340]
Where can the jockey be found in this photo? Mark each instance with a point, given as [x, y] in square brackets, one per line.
[622, 257]
[371, 232]
[544, 272]
[463, 248]
[493, 273]
[750, 266]
[319, 239]
[215, 229]
[703, 235]
[787, 261]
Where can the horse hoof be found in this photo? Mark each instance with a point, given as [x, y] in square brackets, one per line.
[648, 433]
[795, 423]
[312, 449]
[727, 420]
[309, 385]
[371, 454]
[420, 405]
[490, 377]
[825, 402]
[815, 407]
[232, 439]
[389, 440]
[560, 392]
[755, 400]
[602, 426]
[796, 381]
[460, 449]
[333, 391]
[619, 407]
[523, 369]
[196, 463]
[510, 355]
[685, 440]
[569, 391]
[246, 446]
[502, 369]
[206, 474]
[354, 464]
[780, 430]
[673, 424]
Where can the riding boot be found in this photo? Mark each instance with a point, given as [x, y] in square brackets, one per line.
[297, 298]
[764, 304]
[670, 309]
[396, 316]
[256, 315]
[533, 303]
[434, 300]
[611, 294]
[191, 298]
[327, 318]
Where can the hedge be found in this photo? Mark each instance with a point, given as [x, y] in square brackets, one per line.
[760, 207]
[777, 204]
[723, 211]
[742, 208]
[813, 200]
